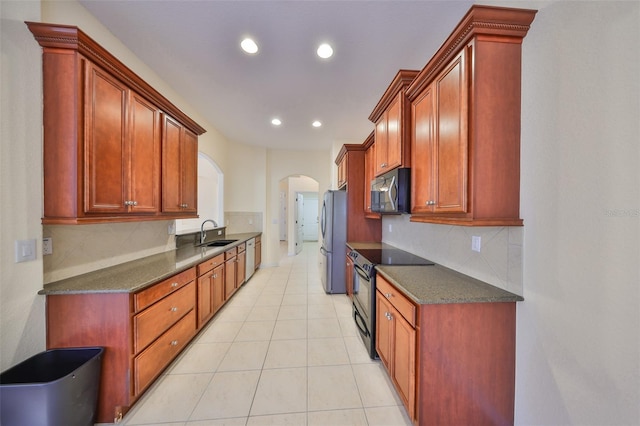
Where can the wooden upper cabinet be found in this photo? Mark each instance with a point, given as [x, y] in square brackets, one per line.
[359, 226]
[392, 126]
[179, 169]
[122, 148]
[106, 171]
[439, 143]
[103, 134]
[465, 108]
[369, 174]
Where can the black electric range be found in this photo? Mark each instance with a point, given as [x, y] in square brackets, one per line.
[364, 285]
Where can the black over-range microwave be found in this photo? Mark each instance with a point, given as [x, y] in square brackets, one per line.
[390, 192]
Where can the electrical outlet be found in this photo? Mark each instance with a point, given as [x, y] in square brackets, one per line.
[390, 228]
[476, 243]
[47, 246]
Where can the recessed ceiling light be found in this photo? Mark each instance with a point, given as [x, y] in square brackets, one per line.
[276, 122]
[316, 124]
[249, 46]
[325, 51]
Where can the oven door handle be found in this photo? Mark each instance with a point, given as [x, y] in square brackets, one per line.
[360, 323]
[362, 272]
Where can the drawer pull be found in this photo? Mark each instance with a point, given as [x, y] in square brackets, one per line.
[174, 309]
[215, 275]
[174, 284]
[388, 315]
[388, 295]
[174, 343]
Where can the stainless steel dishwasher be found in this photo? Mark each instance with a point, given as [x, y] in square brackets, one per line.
[250, 264]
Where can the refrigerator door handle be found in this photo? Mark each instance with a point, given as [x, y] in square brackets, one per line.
[323, 251]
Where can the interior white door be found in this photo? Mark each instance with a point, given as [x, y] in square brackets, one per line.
[299, 215]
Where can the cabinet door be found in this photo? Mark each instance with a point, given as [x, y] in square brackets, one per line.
[205, 298]
[105, 173]
[189, 172]
[423, 153]
[144, 165]
[394, 138]
[381, 145]
[384, 332]
[349, 275]
[404, 350]
[258, 254]
[241, 271]
[171, 165]
[218, 288]
[369, 174]
[229, 277]
[452, 138]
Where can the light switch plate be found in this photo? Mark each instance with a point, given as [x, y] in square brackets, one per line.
[25, 250]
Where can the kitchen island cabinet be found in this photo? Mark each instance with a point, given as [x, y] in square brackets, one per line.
[465, 108]
[448, 343]
[103, 138]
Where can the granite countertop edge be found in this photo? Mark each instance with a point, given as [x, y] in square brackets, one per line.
[135, 275]
[436, 284]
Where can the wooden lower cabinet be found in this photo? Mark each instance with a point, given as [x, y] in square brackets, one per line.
[210, 288]
[141, 332]
[230, 272]
[452, 364]
[258, 252]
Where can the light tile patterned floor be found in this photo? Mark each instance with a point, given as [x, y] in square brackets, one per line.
[281, 352]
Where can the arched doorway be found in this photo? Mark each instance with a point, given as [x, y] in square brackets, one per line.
[293, 214]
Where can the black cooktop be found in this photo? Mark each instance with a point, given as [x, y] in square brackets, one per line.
[387, 256]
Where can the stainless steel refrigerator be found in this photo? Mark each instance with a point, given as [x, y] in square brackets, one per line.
[333, 232]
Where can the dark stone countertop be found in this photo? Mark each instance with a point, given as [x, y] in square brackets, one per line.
[436, 284]
[137, 274]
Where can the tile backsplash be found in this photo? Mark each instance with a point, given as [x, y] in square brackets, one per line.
[238, 222]
[78, 249]
[498, 263]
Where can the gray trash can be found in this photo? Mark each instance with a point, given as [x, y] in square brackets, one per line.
[58, 387]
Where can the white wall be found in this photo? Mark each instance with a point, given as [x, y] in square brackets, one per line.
[578, 330]
[21, 309]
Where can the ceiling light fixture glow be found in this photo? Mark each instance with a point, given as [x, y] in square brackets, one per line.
[316, 123]
[276, 122]
[249, 46]
[325, 51]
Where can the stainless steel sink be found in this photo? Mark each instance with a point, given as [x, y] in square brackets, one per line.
[219, 243]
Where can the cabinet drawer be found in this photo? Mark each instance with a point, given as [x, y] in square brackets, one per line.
[152, 322]
[208, 265]
[397, 299]
[242, 247]
[150, 363]
[258, 239]
[156, 292]
[230, 253]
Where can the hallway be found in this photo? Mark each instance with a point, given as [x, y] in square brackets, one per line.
[281, 352]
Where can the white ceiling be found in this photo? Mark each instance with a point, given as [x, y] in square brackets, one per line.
[194, 46]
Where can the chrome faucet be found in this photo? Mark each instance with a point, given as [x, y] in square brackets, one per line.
[203, 234]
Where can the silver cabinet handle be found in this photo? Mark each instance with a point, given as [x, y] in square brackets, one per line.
[174, 285]
[215, 275]
[388, 315]
[174, 343]
[388, 295]
[174, 309]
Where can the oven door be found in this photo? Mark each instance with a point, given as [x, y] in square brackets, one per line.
[364, 308]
